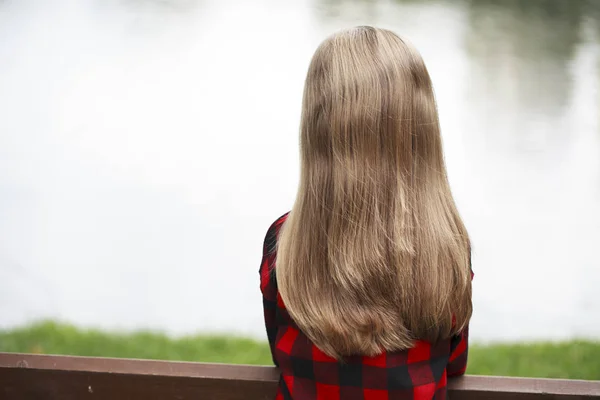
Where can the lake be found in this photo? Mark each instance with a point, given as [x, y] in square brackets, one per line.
[147, 145]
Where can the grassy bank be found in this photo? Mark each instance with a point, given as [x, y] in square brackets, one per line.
[572, 359]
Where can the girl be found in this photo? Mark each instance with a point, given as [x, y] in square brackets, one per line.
[367, 281]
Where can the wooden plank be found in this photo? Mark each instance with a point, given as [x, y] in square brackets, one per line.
[58, 377]
[28, 376]
[491, 387]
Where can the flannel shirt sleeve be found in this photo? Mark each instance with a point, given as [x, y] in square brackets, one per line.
[457, 365]
[268, 287]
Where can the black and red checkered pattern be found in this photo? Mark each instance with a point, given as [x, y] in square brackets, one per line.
[309, 374]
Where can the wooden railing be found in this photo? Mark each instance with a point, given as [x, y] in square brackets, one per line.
[29, 376]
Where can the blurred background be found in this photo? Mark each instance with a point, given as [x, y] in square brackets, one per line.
[147, 145]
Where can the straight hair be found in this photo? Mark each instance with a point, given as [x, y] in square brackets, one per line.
[374, 254]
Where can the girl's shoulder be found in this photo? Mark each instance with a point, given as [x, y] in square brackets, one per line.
[267, 266]
[270, 243]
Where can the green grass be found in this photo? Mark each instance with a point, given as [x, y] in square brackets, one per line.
[577, 359]
[572, 359]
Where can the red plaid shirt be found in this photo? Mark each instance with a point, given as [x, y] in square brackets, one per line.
[309, 374]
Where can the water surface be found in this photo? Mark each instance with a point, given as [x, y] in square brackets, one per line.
[146, 146]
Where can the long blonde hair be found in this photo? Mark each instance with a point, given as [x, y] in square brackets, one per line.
[374, 254]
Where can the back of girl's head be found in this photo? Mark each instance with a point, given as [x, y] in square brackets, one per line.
[374, 253]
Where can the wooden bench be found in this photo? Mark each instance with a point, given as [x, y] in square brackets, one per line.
[29, 376]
